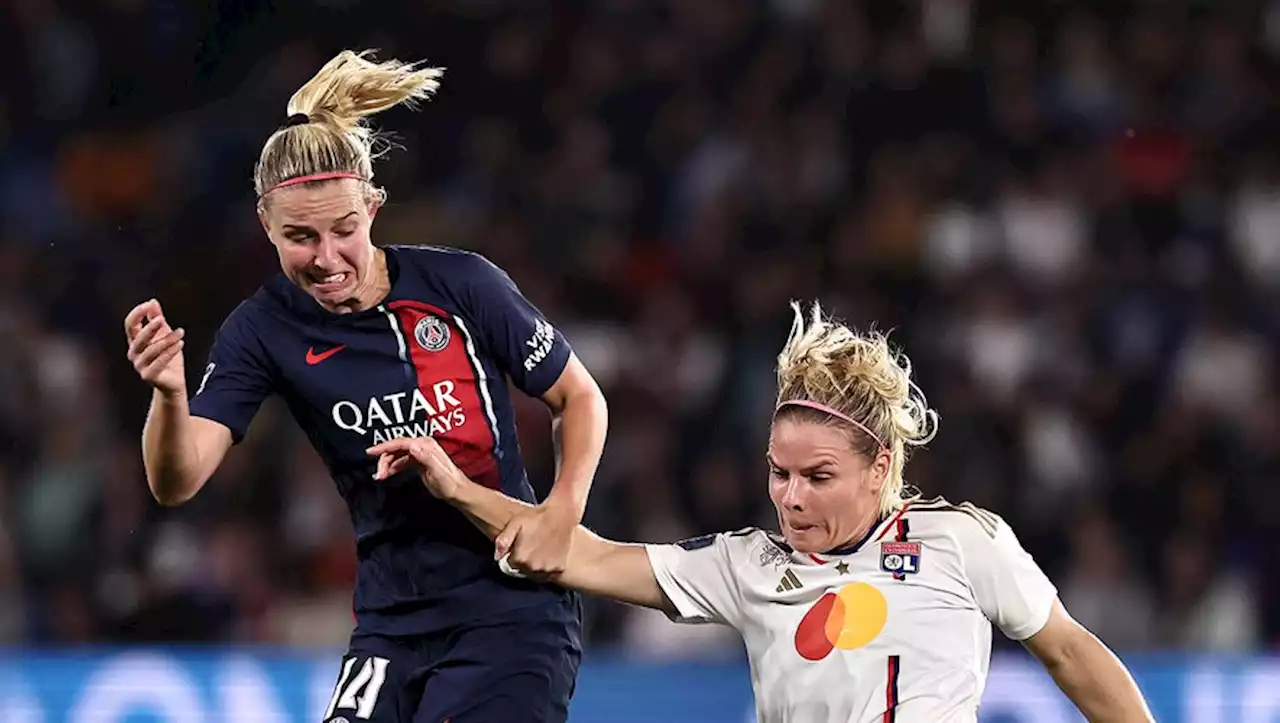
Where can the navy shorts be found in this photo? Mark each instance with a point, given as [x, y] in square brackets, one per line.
[517, 669]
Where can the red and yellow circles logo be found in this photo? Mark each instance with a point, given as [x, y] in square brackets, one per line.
[846, 619]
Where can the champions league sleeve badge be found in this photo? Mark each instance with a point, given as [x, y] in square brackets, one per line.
[900, 558]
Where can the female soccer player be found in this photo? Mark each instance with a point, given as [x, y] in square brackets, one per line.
[872, 605]
[367, 344]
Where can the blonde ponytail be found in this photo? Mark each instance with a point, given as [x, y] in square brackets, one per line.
[337, 102]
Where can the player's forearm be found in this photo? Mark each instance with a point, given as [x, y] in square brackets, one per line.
[616, 570]
[579, 431]
[595, 566]
[1098, 683]
[488, 509]
[170, 453]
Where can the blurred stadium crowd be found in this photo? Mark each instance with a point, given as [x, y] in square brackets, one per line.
[1068, 213]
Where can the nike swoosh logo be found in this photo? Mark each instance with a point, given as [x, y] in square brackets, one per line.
[313, 358]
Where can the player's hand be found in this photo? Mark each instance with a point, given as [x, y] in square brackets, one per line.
[537, 540]
[439, 474]
[156, 349]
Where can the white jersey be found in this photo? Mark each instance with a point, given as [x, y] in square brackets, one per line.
[894, 629]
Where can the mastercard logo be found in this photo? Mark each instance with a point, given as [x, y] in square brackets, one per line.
[846, 619]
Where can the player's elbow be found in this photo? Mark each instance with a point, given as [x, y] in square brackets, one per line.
[172, 487]
[178, 463]
[589, 401]
[169, 500]
[171, 495]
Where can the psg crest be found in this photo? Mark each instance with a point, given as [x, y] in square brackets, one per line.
[431, 333]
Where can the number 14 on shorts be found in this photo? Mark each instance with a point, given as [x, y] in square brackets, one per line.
[359, 693]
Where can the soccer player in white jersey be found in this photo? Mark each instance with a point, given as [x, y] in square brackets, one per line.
[871, 605]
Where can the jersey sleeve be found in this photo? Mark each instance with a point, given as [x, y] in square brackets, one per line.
[236, 379]
[1011, 589]
[697, 577]
[518, 337]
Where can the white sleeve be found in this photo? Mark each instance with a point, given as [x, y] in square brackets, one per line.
[697, 577]
[1010, 588]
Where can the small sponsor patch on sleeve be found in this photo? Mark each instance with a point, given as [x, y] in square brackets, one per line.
[697, 543]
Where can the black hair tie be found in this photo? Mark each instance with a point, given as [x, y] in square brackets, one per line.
[297, 119]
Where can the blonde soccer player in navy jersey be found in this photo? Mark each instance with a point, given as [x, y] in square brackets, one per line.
[368, 342]
[871, 604]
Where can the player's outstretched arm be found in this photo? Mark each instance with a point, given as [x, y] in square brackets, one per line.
[1090, 674]
[594, 565]
[1015, 595]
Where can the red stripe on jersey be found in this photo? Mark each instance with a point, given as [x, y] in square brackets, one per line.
[891, 691]
[901, 524]
[894, 524]
[445, 376]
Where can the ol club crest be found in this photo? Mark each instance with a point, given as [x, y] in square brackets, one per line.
[900, 558]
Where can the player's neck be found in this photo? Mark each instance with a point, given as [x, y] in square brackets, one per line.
[861, 530]
[373, 289]
[378, 285]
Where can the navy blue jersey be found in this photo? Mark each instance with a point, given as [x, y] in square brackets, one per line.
[432, 359]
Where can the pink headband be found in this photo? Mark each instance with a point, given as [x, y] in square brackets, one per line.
[833, 412]
[314, 177]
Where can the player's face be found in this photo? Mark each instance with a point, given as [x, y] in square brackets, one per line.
[827, 495]
[321, 234]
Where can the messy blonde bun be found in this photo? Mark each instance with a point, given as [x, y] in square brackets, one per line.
[860, 376]
[337, 101]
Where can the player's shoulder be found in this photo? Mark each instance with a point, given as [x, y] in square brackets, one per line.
[741, 543]
[445, 262]
[941, 517]
[247, 333]
[248, 316]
